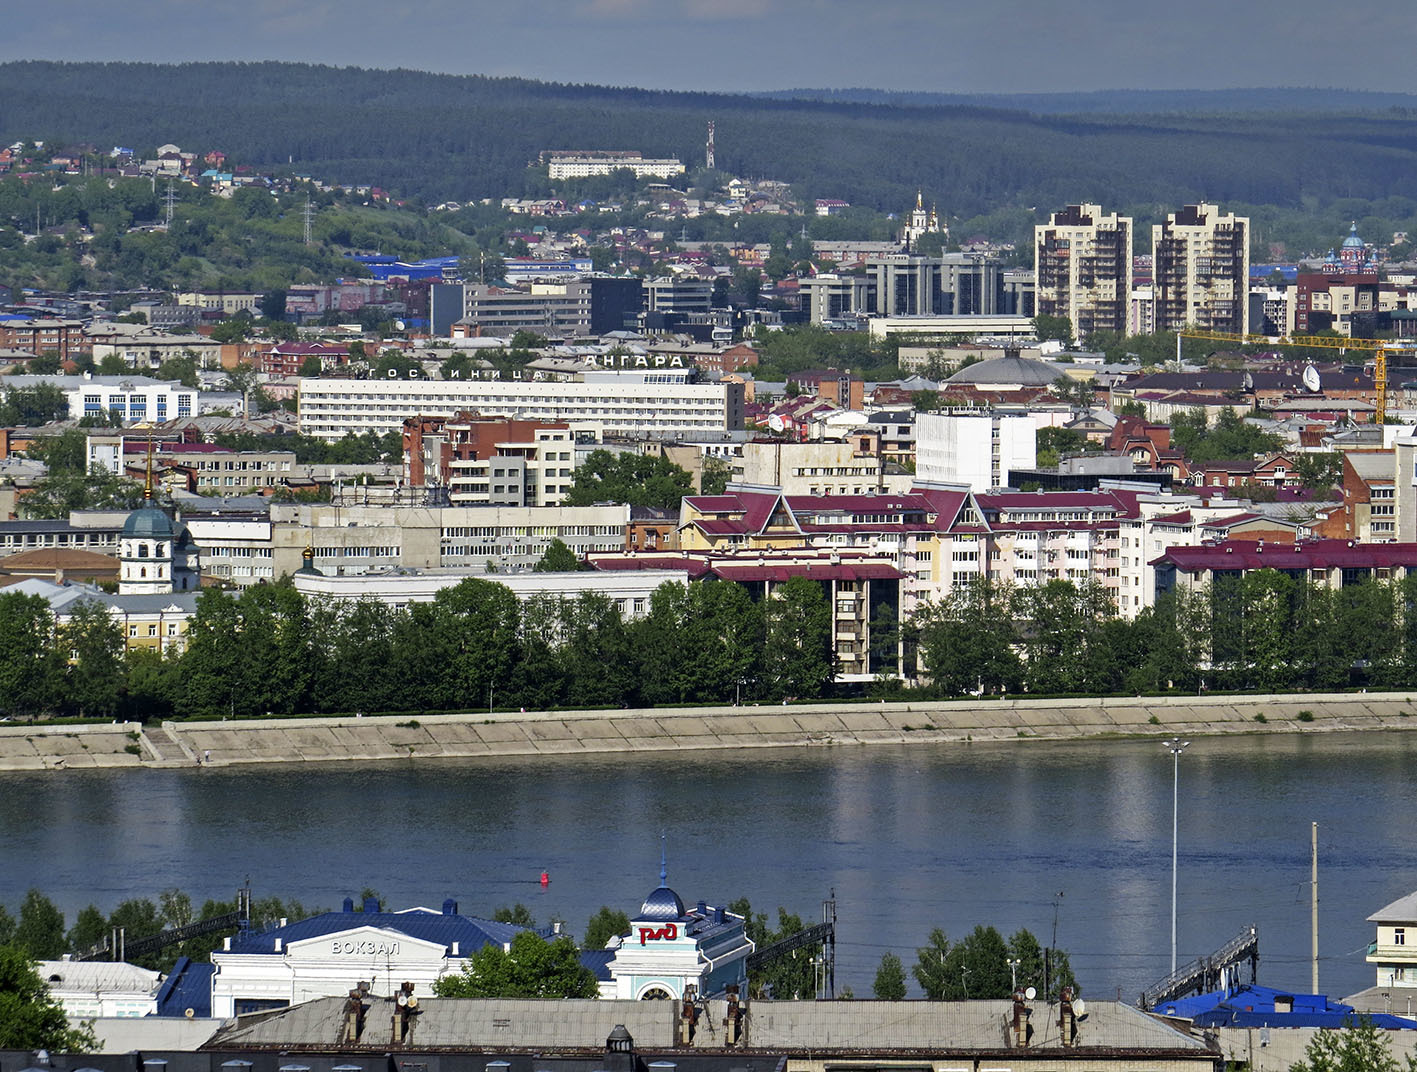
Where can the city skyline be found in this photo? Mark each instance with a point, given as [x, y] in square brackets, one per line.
[1013, 46]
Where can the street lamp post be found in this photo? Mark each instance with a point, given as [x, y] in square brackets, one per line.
[1175, 746]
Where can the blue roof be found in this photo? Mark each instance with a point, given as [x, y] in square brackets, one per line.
[662, 904]
[422, 924]
[1254, 1006]
[598, 961]
[187, 986]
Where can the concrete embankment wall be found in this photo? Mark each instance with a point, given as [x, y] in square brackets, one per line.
[41, 747]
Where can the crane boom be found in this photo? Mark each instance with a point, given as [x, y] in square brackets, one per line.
[1380, 347]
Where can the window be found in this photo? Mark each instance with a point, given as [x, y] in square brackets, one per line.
[1399, 936]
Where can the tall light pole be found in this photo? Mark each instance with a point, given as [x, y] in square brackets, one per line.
[1175, 746]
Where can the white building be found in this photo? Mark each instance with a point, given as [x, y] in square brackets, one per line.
[330, 954]
[630, 590]
[1201, 270]
[670, 948]
[979, 448]
[585, 165]
[97, 988]
[639, 403]
[134, 398]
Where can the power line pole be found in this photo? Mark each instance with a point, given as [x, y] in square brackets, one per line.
[309, 218]
[171, 200]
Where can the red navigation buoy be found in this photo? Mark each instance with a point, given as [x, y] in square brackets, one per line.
[545, 879]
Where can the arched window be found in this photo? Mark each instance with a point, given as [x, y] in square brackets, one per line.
[656, 993]
[142, 550]
[143, 572]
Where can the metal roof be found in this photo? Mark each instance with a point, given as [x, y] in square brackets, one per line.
[421, 924]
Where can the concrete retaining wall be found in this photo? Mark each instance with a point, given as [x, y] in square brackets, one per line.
[37, 747]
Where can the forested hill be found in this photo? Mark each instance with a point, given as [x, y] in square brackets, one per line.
[1191, 102]
[439, 136]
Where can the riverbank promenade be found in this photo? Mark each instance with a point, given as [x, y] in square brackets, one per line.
[39, 746]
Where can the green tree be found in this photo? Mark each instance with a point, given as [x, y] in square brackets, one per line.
[931, 965]
[637, 479]
[96, 668]
[798, 655]
[1318, 470]
[606, 924]
[182, 369]
[1356, 1047]
[531, 968]
[273, 304]
[40, 932]
[967, 639]
[89, 929]
[233, 330]
[714, 478]
[558, 558]
[783, 978]
[890, 979]
[30, 1019]
[519, 915]
[31, 666]
[1059, 328]
[310, 367]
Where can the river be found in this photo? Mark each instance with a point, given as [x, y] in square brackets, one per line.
[909, 837]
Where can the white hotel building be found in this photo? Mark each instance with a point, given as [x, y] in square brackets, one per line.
[656, 402]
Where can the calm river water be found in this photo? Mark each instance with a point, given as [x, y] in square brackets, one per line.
[910, 838]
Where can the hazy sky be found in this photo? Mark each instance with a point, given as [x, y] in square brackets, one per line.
[948, 45]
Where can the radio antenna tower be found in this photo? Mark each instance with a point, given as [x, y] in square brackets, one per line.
[171, 200]
[309, 216]
[708, 155]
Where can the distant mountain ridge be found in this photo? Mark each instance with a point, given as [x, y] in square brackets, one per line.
[441, 137]
[1126, 101]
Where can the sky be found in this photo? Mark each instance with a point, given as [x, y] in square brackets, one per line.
[988, 46]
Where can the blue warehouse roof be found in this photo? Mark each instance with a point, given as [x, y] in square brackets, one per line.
[1255, 1006]
[423, 924]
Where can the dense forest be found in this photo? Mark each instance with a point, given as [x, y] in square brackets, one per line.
[441, 136]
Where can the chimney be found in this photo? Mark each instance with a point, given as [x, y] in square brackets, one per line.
[349, 904]
[450, 907]
[371, 904]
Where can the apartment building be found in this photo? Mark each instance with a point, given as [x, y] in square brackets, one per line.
[1083, 269]
[490, 460]
[247, 547]
[584, 165]
[630, 403]
[1201, 267]
[133, 398]
[41, 336]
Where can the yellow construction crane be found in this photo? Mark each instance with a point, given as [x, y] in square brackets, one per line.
[1380, 347]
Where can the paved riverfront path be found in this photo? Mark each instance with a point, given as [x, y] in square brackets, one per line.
[41, 747]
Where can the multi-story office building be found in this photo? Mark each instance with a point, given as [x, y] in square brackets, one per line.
[579, 307]
[1201, 265]
[956, 284]
[978, 448]
[1083, 269]
[637, 403]
[497, 461]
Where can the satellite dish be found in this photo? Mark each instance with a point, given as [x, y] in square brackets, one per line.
[1030, 993]
[775, 422]
[399, 325]
[190, 1013]
[1248, 383]
[1079, 1008]
[403, 999]
[1311, 378]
